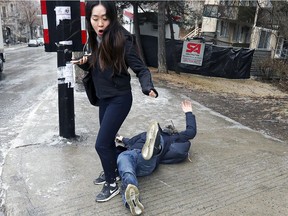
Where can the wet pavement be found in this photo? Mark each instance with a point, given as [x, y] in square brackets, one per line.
[233, 170]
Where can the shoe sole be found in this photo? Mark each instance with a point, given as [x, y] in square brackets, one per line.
[98, 183]
[148, 147]
[112, 195]
[132, 199]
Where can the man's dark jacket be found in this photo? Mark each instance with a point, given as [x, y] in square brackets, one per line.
[176, 146]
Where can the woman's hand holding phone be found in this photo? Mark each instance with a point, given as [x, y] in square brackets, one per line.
[81, 60]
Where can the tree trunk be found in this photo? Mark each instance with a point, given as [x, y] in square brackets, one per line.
[173, 46]
[137, 30]
[31, 31]
[162, 66]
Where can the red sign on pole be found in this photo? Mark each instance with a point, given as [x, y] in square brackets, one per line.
[63, 23]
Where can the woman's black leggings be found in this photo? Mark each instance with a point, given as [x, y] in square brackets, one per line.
[112, 113]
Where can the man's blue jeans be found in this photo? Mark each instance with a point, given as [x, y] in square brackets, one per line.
[131, 165]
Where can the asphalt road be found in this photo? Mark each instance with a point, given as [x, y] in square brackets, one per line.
[28, 71]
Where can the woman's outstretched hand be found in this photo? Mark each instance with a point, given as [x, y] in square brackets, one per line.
[152, 94]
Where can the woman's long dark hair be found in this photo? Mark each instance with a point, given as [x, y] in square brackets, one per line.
[111, 50]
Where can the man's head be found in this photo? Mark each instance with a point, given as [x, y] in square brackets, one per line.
[170, 129]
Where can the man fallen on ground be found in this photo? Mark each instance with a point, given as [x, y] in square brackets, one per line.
[146, 151]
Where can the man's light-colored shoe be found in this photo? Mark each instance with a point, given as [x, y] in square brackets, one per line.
[148, 148]
[132, 199]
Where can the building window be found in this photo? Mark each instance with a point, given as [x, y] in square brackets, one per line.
[210, 11]
[236, 33]
[224, 28]
[245, 34]
[4, 11]
[282, 48]
[229, 2]
[264, 41]
[284, 52]
[154, 27]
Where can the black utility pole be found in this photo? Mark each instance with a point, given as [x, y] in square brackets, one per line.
[65, 97]
[63, 33]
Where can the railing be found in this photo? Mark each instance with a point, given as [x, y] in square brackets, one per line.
[195, 32]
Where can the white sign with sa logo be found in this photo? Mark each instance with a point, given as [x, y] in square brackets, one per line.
[192, 53]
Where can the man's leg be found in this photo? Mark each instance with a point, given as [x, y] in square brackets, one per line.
[127, 163]
[152, 144]
[130, 165]
[132, 198]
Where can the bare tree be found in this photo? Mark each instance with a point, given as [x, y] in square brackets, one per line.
[279, 14]
[137, 28]
[162, 65]
[174, 9]
[136, 25]
[30, 11]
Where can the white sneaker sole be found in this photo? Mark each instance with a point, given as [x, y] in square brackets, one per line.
[132, 198]
[148, 147]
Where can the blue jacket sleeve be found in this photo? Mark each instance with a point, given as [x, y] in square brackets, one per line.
[191, 128]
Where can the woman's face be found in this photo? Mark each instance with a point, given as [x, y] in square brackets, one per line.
[99, 20]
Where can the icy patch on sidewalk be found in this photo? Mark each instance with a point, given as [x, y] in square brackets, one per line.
[23, 126]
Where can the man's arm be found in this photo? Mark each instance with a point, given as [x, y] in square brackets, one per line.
[179, 147]
[191, 128]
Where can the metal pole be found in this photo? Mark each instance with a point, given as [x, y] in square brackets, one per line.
[65, 98]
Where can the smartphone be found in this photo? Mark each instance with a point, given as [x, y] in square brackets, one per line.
[75, 61]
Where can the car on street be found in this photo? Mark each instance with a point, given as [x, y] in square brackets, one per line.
[33, 43]
[40, 41]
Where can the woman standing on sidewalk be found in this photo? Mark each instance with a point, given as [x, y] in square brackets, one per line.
[113, 52]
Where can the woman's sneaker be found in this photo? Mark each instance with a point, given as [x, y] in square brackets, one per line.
[108, 192]
[101, 179]
[132, 199]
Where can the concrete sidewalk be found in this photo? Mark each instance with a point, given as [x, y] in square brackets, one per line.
[234, 170]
